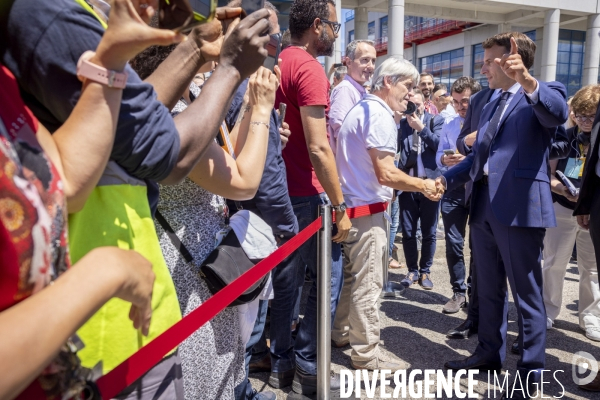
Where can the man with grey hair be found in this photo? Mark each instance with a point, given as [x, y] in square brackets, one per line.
[360, 62]
[366, 146]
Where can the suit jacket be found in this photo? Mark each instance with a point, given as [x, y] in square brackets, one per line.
[429, 143]
[476, 104]
[519, 174]
[590, 180]
[560, 145]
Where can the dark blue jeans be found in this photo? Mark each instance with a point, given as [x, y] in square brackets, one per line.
[415, 207]
[244, 391]
[455, 215]
[395, 223]
[305, 347]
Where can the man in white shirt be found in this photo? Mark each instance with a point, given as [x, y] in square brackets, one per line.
[360, 63]
[366, 147]
[454, 204]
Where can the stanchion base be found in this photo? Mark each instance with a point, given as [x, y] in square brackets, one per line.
[393, 290]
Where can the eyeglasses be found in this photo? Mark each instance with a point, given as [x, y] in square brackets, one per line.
[585, 118]
[463, 103]
[336, 26]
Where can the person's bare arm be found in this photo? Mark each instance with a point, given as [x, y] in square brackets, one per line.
[241, 55]
[389, 175]
[33, 330]
[173, 76]
[321, 157]
[239, 178]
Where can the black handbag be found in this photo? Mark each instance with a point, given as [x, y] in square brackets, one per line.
[224, 264]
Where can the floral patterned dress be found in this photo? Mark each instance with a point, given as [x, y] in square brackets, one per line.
[213, 357]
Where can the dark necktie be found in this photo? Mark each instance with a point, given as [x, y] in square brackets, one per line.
[483, 152]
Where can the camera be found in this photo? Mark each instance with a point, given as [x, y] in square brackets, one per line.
[410, 108]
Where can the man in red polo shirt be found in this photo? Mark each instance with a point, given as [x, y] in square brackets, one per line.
[312, 180]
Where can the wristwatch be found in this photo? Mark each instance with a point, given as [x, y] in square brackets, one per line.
[96, 73]
[340, 208]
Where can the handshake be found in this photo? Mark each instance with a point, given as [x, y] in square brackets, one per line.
[434, 190]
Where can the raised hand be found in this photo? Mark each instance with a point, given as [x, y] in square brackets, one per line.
[262, 87]
[127, 34]
[209, 37]
[245, 47]
[414, 121]
[512, 65]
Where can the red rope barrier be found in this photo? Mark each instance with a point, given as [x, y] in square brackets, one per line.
[147, 357]
[138, 364]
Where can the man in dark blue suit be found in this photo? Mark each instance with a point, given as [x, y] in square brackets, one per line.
[418, 139]
[511, 204]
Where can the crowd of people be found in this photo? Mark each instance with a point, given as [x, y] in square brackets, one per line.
[128, 153]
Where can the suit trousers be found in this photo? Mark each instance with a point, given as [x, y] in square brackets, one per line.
[558, 246]
[358, 309]
[415, 207]
[514, 253]
[455, 215]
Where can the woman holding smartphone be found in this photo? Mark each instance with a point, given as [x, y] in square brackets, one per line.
[559, 241]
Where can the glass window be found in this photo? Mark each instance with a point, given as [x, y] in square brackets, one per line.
[477, 51]
[371, 34]
[570, 59]
[350, 36]
[383, 27]
[445, 67]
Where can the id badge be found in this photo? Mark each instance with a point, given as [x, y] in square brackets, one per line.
[574, 168]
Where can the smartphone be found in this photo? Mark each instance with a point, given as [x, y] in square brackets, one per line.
[282, 110]
[184, 15]
[249, 6]
[567, 182]
[337, 65]
[449, 152]
[273, 50]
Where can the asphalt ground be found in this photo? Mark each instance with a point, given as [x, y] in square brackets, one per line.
[414, 328]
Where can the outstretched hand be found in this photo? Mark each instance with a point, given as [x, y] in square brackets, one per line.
[433, 191]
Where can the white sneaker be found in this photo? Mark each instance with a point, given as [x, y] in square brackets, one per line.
[593, 333]
[549, 323]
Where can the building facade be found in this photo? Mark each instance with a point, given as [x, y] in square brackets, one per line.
[451, 48]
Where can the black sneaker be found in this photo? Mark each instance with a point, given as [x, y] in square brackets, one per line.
[425, 282]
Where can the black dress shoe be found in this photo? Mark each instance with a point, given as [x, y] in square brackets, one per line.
[473, 362]
[306, 384]
[515, 349]
[279, 380]
[463, 331]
